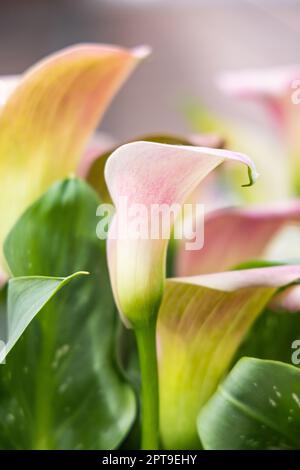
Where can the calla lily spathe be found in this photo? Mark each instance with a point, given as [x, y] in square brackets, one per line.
[201, 322]
[278, 90]
[48, 115]
[149, 173]
[227, 232]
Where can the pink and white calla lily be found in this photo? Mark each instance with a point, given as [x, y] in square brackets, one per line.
[236, 235]
[203, 319]
[148, 174]
[278, 89]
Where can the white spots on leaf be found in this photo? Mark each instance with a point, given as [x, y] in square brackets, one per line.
[10, 418]
[296, 399]
[65, 385]
[272, 402]
[59, 354]
[277, 393]
[252, 443]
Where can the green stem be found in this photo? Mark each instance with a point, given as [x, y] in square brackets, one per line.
[146, 342]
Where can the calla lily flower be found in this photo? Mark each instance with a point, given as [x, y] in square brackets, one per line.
[278, 89]
[265, 148]
[272, 86]
[93, 162]
[47, 116]
[148, 174]
[149, 177]
[202, 321]
[225, 232]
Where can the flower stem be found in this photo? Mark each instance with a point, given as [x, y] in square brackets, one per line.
[146, 342]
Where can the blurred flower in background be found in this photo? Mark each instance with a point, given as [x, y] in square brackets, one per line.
[214, 35]
[175, 87]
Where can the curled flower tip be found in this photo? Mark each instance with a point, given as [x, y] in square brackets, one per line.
[141, 52]
[253, 177]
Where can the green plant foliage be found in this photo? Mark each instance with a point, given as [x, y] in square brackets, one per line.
[26, 298]
[257, 407]
[61, 387]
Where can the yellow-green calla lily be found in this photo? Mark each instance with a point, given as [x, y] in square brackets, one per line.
[201, 323]
[48, 116]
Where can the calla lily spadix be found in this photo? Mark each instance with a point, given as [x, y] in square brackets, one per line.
[201, 322]
[278, 90]
[226, 235]
[47, 117]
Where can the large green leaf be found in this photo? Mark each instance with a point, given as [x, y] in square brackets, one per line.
[61, 387]
[283, 326]
[257, 407]
[26, 297]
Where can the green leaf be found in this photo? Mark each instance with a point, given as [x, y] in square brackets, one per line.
[61, 387]
[259, 342]
[284, 326]
[26, 297]
[257, 407]
[3, 319]
[259, 264]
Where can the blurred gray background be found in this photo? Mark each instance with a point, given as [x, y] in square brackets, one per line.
[191, 40]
